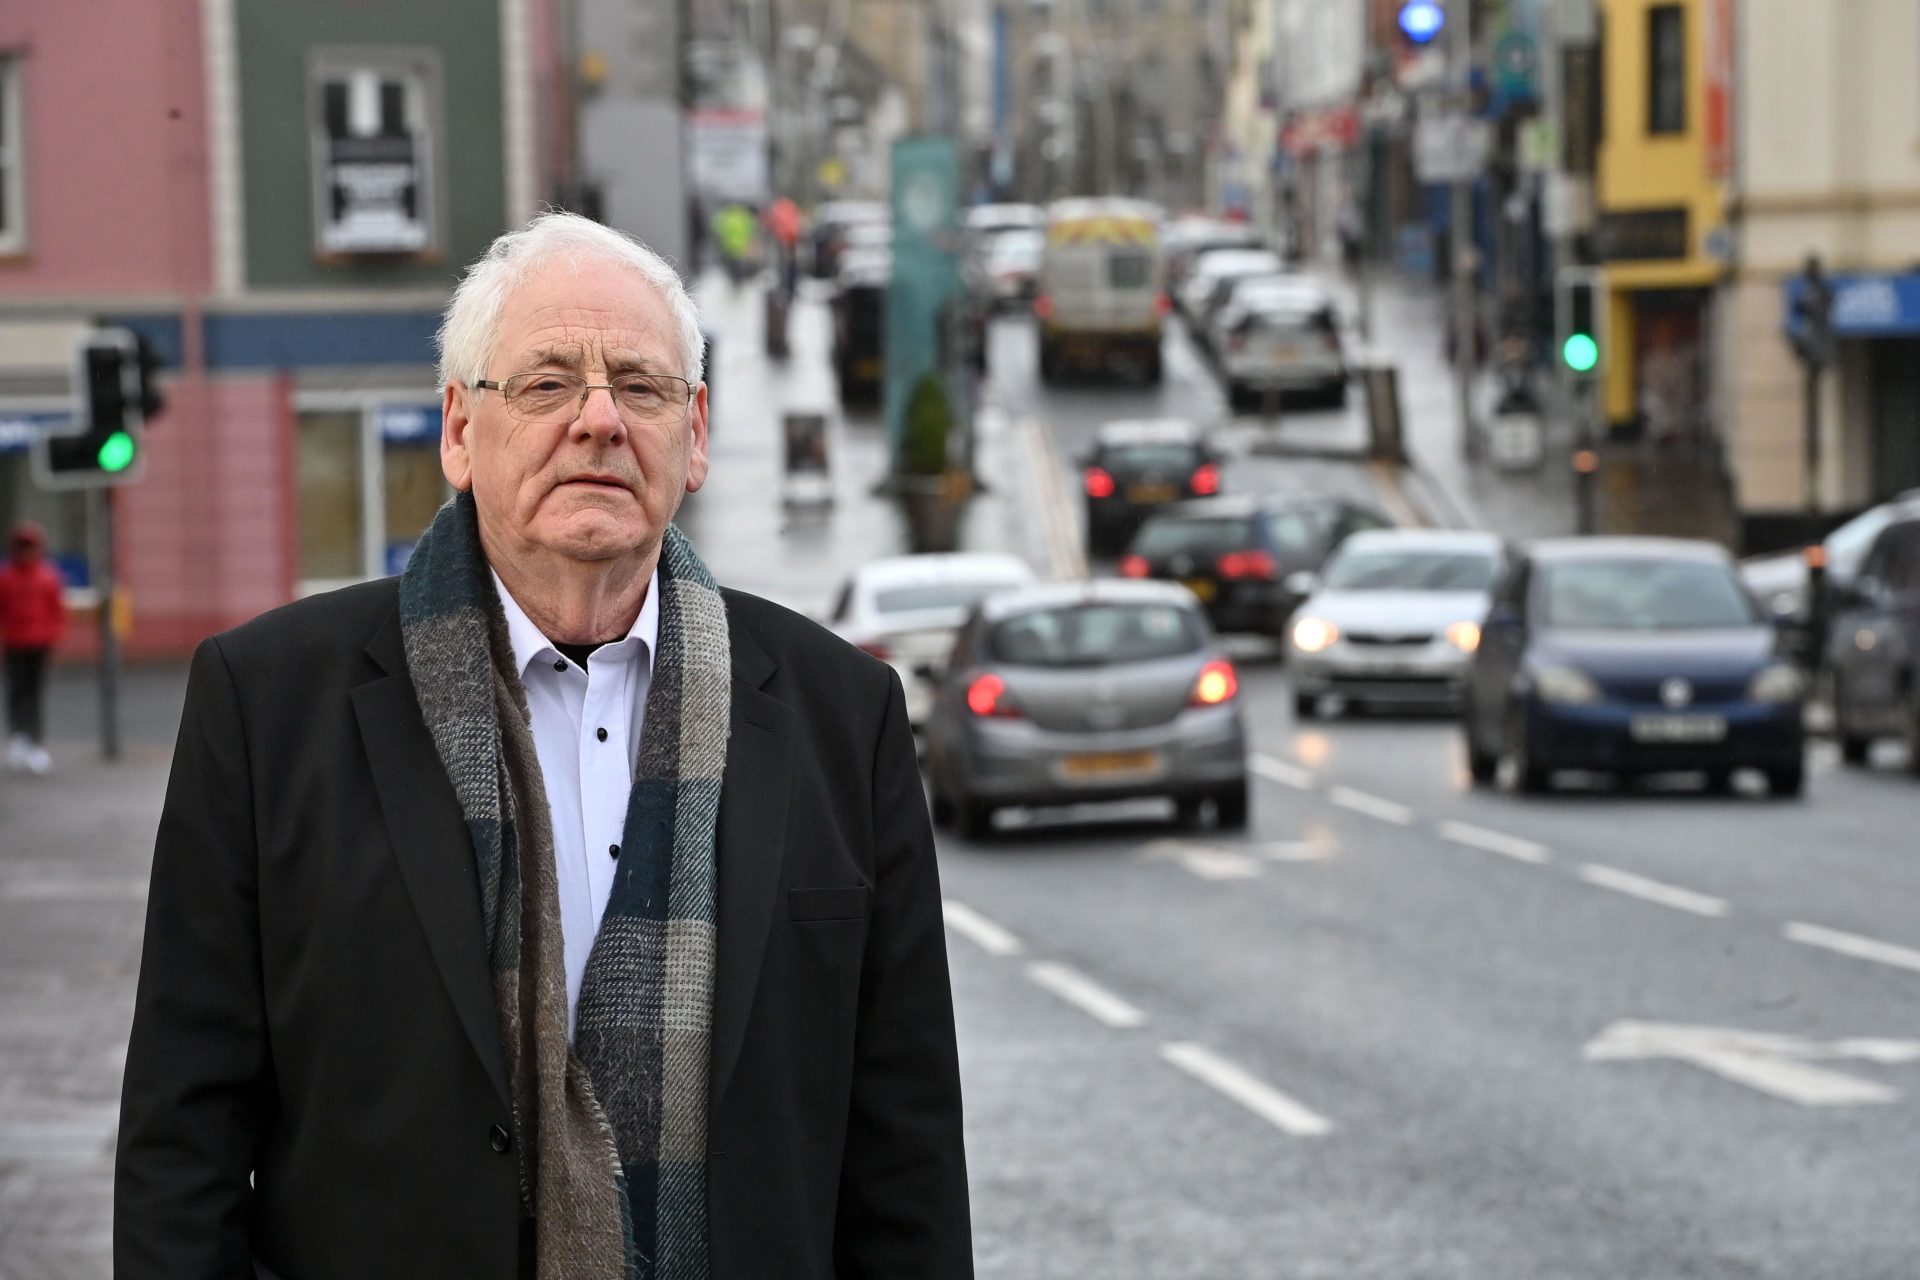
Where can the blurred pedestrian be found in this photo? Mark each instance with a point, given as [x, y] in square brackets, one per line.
[33, 616]
[548, 912]
[783, 224]
[734, 229]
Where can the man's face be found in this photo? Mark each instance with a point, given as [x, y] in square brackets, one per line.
[585, 486]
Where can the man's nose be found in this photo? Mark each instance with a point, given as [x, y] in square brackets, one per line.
[599, 417]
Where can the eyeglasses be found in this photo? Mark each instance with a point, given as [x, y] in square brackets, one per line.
[641, 399]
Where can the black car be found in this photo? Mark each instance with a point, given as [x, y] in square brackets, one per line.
[1631, 656]
[1137, 467]
[1873, 646]
[1249, 560]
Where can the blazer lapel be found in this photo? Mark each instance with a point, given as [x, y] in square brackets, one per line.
[430, 843]
[749, 847]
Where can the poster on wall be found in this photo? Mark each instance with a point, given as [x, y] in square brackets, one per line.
[372, 166]
[727, 155]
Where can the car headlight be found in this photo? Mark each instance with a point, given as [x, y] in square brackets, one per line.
[1778, 683]
[1312, 635]
[1464, 636]
[1566, 685]
[1786, 604]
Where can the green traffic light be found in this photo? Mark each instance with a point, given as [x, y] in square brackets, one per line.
[117, 453]
[1581, 353]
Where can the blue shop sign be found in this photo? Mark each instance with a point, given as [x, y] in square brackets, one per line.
[409, 423]
[1867, 306]
[18, 431]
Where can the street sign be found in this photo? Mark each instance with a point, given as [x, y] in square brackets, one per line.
[1450, 147]
[1779, 1066]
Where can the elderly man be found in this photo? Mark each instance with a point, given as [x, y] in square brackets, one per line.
[548, 911]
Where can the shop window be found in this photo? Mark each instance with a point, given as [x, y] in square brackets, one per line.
[13, 172]
[1666, 69]
[332, 519]
[63, 514]
[415, 487]
[369, 483]
[373, 154]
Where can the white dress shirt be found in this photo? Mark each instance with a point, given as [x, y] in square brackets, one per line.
[586, 733]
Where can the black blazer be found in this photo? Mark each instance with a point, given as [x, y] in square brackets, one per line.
[315, 1083]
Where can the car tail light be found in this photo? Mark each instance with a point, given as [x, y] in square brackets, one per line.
[987, 696]
[1099, 483]
[1206, 479]
[1162, 305]
[1248, 564]
[1135, 567]
[877, 649]
[1042, 307]
[1218, 682]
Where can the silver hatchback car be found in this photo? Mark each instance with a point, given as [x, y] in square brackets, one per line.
[1070, 692]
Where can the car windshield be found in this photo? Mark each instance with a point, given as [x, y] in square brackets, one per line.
[1151, 457]
[937, 595]
[1411, 571]
[1087, 635]
[1195, 536]
[1848, 545]
[1644, 595]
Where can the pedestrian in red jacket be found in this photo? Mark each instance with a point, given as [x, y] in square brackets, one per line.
[32, 618]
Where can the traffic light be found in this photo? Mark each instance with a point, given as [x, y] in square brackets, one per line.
[1578, 321]
[1810, 321]
[116, 389]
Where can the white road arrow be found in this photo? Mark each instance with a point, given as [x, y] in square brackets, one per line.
[1777, 1065]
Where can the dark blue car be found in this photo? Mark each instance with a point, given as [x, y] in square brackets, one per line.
[1631, 656]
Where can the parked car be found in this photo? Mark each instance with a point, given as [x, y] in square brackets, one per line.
[1252, 293]
[1282, 345]
[1873, 647]
[1393, 618]
[1239, 556]
[1187, 238]
[905, 610]
[1008, 268]
[860, 326]
[1780, 578]
[831, 222]
[1071, 692]
[1137, 467]
[1210, 268]
[1631, 656]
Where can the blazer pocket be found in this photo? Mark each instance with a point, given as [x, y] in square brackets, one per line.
[843, 902]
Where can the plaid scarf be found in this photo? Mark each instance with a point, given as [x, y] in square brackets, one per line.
[612, 1130]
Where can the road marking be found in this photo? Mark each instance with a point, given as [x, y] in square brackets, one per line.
[1065, 547]
[979, 930]
[1263, 1100]
[1371, 805]
[1655, 891]
[1776, 1065]
[1494, 842]
[1316, 848]
[1852, 944]
[1275, 770]
[1085, 995]
[1208, 861]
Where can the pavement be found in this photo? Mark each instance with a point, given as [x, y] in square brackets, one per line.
[1399, 1028]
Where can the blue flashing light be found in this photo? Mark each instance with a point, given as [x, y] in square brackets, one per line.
[1422, 20]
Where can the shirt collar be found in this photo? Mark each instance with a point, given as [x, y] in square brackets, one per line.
[529, 643]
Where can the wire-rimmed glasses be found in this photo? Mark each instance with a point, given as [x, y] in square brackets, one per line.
[641, 399]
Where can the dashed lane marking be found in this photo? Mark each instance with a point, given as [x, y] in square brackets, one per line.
[1207, 861]
[979, 930]
[1371, 805]
[1276, 770]
[1086, 995]
[1271, 1105]
[1494, 842]
[1852, 944]
[1654, 891]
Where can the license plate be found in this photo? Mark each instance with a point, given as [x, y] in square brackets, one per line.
[1150, 493]
[1203, 590]
[866, 368]
[1679, 728]
[1109, 764]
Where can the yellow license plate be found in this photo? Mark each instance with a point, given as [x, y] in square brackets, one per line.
[1150, 493]
[866, 368]
[1203, 590]
[1106, 764]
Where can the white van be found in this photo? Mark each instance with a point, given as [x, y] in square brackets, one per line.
[1102, 292]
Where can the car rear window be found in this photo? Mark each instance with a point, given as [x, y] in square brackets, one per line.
[1129, 270]
[936, 595]
[1143, 457]
[1196, 536]
[1088, 635]
[1644, 595]
[1411, 571]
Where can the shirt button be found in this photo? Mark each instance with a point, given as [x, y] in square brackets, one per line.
[613, 851]
[560, 665]
[499, 1139]
[600, 734]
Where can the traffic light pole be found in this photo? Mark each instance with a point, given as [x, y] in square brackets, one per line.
[1466, 332]
[106, 579]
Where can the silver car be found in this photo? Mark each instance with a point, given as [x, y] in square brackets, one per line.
[1394, 616]
[1072, 692]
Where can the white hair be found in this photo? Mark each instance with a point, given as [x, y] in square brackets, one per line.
[471, 326]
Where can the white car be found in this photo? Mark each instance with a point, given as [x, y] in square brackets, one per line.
[1210, 268]
[905, 610]
[1393, 617]
[1281, 344]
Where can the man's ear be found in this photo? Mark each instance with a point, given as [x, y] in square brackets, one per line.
[697, 423]
[456, 419]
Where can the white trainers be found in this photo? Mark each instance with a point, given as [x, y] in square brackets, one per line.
[38, 761]
[19, 749]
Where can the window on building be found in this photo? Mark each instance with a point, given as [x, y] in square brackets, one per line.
[1666, 69]
[13, 176]
[374, 130]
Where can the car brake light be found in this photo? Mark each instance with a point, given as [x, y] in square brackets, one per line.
[1099, 483]
[987, 696]
[1162, 305]
[1217, 683]
[1135, 567]
[1248, 564]
[1042, 307]
[1206, 479]
[877, 649]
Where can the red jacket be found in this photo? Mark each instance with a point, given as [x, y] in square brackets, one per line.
[32, 614]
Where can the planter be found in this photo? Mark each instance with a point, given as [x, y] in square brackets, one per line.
[933, 507]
